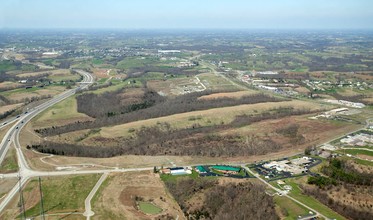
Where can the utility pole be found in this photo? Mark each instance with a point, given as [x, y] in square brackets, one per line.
[21, 200]
[41, 201]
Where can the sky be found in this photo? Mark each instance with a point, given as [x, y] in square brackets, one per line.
[187, 14]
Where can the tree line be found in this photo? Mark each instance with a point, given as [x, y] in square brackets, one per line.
[151, 106]
[196, 140]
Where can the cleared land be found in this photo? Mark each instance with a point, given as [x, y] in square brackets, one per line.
[62, 113]
[116, 199]
[6, 108]
[236, 95]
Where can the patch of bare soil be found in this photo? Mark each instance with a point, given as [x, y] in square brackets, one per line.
[236, 95]
[117, 199]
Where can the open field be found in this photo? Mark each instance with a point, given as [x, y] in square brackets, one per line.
[236, 95]
[6, 185]
[9, 164]
[116, 199]
[216, 82]
[177, 86]
[60, 195]
[297, 194]
[149, 208]
[6, 108]
[62, 113]
[23, 93]
[7, 85]
[288, 209]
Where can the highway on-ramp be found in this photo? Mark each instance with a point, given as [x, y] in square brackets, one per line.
[12, 135]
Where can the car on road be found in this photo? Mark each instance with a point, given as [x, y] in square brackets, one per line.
[18, 116]
[17, 127]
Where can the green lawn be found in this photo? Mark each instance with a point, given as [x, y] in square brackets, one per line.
[65, 110]
[289, 208]
[149, 208]
[364, 162]
[62, 194]
[9, 164]
[169, 177]
[355, 152]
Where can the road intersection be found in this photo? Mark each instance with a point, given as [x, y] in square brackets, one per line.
[26, 173]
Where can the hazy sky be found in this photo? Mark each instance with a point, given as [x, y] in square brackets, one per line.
[133, 14]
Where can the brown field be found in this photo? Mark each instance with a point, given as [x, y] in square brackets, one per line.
[116, 199]
[161, 86]
[9, 85]
[314, 131]
[53, 72]
[302, 90]
[6, 185]
[100, 73]
[235, 95]
[51, 90]
[6, 108]
[368, 100]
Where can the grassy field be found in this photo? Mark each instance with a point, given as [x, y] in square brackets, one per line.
[311, 202]
[62, 112]
[356, 152]
[216, 82]
[289, 209]
[9, 164]
[6, 108]
[133, 62]
[60, 194]
[149, 208]
[118, 85]
[23, 93]
[169, 177]
[364, 162]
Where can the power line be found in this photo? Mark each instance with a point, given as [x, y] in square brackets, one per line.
[41, 201]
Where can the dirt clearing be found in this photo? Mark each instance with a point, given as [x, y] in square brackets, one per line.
[117, 197]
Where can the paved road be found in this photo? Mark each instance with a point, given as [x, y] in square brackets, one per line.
[88, 209]
[25, 173]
